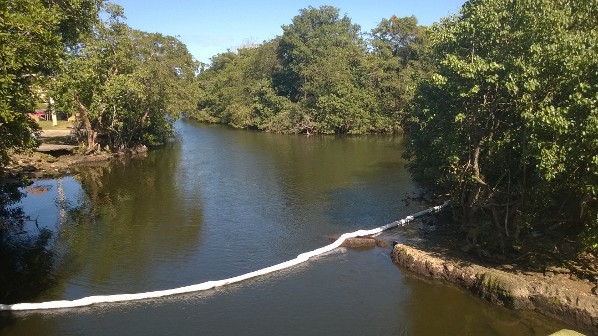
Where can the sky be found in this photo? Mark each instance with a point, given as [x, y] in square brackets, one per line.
[212, 27]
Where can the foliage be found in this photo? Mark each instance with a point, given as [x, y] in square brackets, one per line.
[319, 76]
[399, 62]
[126, 85]
[508, 123]
[33, 37]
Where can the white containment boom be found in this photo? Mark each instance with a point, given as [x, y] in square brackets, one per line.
[303, 257]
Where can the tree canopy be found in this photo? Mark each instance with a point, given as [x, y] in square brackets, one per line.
[125, 85]
[34, 35]
[320, 76]
[507, 124]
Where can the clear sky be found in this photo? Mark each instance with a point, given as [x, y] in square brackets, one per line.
[212, 27]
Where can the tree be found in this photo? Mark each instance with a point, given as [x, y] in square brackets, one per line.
[237, 90]
[324, 70]
[318, 77]
[399, 62]
[126, 85]
[34, 35]
[508, 122]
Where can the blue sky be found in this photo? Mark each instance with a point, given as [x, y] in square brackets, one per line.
[212, 27]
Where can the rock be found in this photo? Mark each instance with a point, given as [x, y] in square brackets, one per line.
[358, 242]
[558, 270]
[382, 243]
[507, 289]
[566, 332]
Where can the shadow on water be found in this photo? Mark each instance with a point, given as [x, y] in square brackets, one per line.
[222, 203]
[26, 261]
[430, 310]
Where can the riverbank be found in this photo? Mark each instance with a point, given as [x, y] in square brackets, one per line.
[37, 165]
[57, 156]
[553, 289]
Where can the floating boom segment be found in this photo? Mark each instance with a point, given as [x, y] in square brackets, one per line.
[301, 258]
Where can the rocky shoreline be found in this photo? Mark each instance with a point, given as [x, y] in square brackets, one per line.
[556, 296]
[38, 165]
[57, 156]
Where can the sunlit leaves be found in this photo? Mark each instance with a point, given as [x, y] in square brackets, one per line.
[34, 36]
[320, 76]
[514, 99]
[131, 84]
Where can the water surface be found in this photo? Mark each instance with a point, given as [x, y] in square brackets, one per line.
[219, 203]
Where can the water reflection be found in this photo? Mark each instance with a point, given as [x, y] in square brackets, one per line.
[432, 308]
[131, 218]
[26, 262]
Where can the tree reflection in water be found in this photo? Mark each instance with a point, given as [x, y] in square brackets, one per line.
[26, 261]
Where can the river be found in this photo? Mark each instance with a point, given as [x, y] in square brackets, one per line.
[219, 203]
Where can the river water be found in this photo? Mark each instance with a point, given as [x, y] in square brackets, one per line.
[219, 203]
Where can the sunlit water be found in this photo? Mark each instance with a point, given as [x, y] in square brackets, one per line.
[220, 203]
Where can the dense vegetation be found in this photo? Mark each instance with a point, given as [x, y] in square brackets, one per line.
[320, 76]
[124, 85]
[498, 103]
[34, 36]
[508, 122]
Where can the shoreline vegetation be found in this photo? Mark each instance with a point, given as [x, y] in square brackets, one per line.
[497, 105]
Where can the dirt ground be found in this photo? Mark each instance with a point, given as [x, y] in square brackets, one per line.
[57, 155]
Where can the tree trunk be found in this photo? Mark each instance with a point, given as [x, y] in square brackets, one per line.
[91, 134]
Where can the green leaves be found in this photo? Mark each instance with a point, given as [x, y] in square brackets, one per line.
[127, 85]
[513, 104]
[33, 38]
[319, 76]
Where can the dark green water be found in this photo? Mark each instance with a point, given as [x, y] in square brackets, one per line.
[220, 203]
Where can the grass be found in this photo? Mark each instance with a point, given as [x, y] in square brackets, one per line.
[62, 125]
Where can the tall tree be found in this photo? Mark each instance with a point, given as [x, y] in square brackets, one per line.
[237, 90]
[34, 35]
[323, 68]
[399, 62]
[508, 123]
[126, 85]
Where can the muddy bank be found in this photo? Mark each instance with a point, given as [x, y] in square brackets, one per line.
[555, 295]
[37, 165]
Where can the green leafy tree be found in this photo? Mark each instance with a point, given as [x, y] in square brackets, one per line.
[126, 86]
[508, 122]
[324, 70]
[399, 62]
[34, 35]
[237, 90]
[226, 90]
[318, 77]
